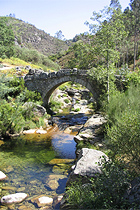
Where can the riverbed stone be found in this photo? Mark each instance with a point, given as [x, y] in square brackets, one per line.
[30, 131]
[89, 164]
[13, 198]
[53, 184]
[2, 176]
[42, 200]
[41, 131]
[56, 161]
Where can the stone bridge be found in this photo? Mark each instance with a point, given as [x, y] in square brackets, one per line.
[46, 83]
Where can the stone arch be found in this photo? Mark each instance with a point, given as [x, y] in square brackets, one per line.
[44, 83]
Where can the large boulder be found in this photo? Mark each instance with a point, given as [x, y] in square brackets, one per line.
[89, 164]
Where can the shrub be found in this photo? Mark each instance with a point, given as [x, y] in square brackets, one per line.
[106, 191]
[11, 119]
[66, 100]
[123, 129]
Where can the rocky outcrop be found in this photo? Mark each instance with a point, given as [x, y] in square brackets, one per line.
[92, 131]
[88, 164]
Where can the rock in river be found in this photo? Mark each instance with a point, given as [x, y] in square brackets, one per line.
[13, 198]
[89, 164]
[2, 175]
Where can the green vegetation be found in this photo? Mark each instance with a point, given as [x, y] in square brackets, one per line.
[123, 130]
[115, 51]
[66, 101]
[9, 49]
[14, 115]
[111, 48]
[6, 39]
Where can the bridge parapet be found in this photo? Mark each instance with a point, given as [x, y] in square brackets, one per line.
[46, 83]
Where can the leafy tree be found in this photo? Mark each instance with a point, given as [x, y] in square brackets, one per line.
[109, 31]
[6, 39]
[115, 4]
[135, 8]
[59, 35]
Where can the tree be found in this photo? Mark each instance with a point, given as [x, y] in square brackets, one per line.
[59, 35]
[115, 4]
[135, 8]
[109, 31]
[6, 39]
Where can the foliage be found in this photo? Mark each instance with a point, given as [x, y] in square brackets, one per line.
[104, 192]
[55, 105]
[66, 100]
[32, 55]
[6, 39]
[123, 130]
[11, 119]
[13, 116]
[132, 77]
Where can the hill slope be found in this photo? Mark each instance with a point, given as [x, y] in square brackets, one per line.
[27, 35]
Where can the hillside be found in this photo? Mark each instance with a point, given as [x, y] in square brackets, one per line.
[27, 35]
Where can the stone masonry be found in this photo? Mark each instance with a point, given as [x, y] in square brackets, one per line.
[46, 83]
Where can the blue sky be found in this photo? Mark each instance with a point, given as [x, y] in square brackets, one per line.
[51, 16]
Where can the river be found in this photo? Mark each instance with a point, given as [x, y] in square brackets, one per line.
[39, 164]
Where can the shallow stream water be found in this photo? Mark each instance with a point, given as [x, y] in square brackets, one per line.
[38, 164]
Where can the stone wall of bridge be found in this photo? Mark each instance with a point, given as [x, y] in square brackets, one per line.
[46, 83]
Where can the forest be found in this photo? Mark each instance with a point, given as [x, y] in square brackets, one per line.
[112, 47]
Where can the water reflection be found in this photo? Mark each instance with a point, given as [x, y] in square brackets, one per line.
[64, 145]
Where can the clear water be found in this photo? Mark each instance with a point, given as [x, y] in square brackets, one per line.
[25, 161]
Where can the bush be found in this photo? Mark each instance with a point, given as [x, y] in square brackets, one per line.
[106, 191]
[11, 119]
[13, 116]
[66, 100]
[123, 129]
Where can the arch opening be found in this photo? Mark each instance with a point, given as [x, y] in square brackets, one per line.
[71, 97]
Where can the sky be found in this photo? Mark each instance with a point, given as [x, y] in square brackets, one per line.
[51, 16]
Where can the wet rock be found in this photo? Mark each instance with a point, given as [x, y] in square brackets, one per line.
[13, 198]
[8, 188]
[42, 200]
[56, 201]
[23, 207]
[9, 169]
[21, 189]
[2, 176]
[53, 184]
[60, 161]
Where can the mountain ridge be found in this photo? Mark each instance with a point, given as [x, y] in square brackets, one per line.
[27, 35]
